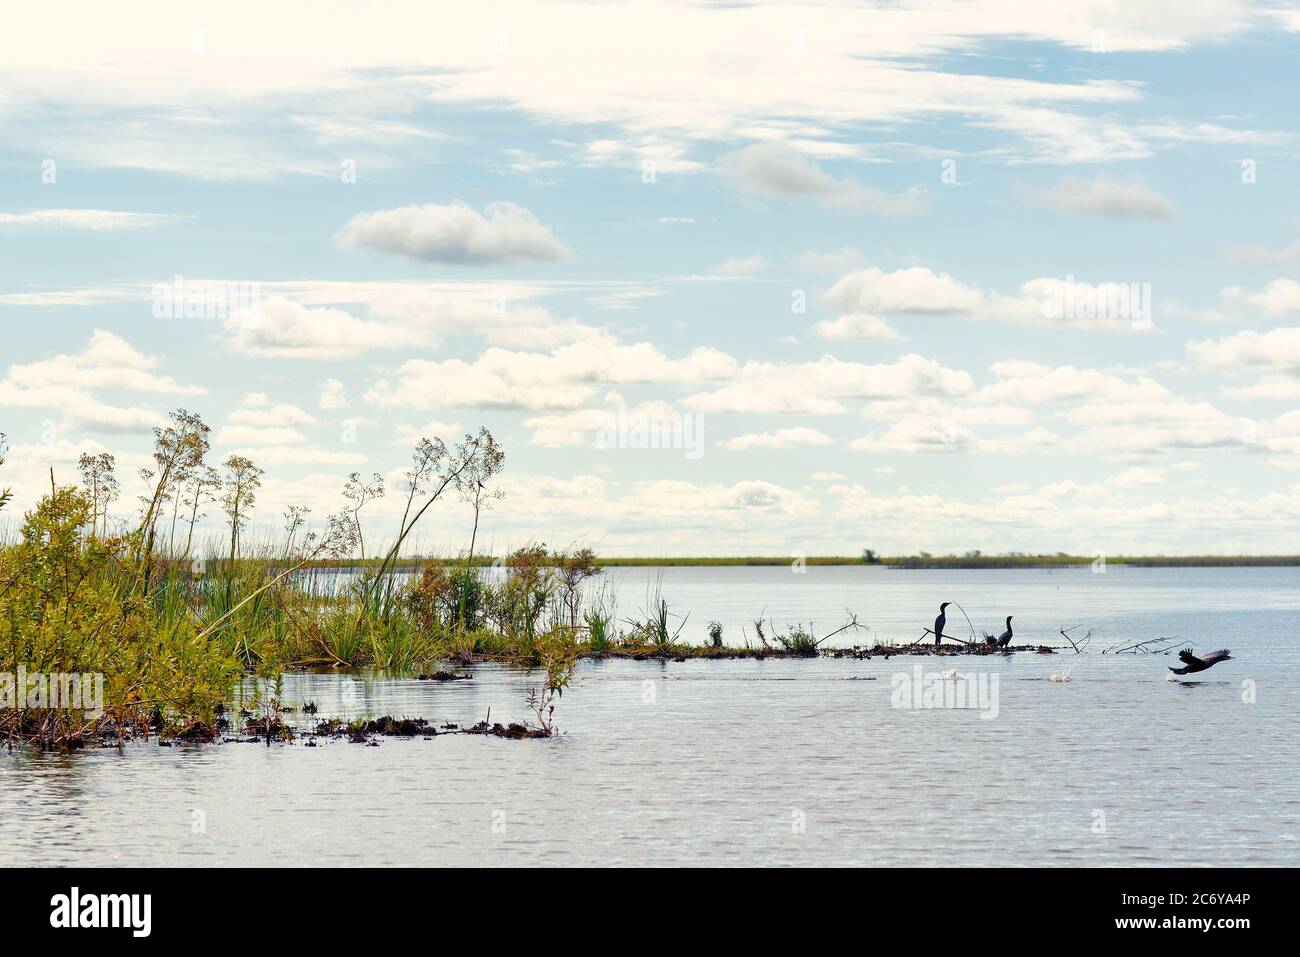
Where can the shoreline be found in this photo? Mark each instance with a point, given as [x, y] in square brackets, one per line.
[959, 562]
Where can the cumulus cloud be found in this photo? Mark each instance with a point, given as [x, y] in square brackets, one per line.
[407, 435]
[455, 233]
[823, 385]
[918, 290]
[1281, 297]
[1275, 351]
[279, 327]
[259, 412]
[740, 266]
[778, 170]
[1132, 416]
[581, 427]
[108, 361]
[918, 435]
[1103, 195]
[866, 297]
[67, 382]
[564, 378]
[295, 455]
[778, 439]
[249, 435]
[331, 395]
[856, 325]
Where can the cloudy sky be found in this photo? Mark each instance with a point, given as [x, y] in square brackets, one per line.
[1014, 276]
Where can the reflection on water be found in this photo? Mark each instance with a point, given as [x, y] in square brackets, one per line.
[762, 762]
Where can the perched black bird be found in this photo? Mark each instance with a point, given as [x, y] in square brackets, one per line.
[1192, 664]
[939, 623]
[1004, 639]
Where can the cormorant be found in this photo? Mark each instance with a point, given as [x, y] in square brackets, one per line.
[1004, 639]
[1193, 664]
[939, 623]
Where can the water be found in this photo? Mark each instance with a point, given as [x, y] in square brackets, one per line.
[758, 762]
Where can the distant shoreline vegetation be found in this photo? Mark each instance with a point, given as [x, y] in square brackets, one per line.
[920, 561]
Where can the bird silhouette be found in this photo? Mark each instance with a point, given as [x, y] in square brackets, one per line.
[939, 623]
[1004, 639]
[1192, 664]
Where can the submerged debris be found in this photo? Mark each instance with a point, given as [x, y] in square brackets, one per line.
[361, 730]
[512, 730]
[399, 727]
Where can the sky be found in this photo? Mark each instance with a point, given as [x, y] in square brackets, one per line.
[915, 276]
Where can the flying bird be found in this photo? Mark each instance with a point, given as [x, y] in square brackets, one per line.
[1192, 664]
[1004, 639]
[939, 623]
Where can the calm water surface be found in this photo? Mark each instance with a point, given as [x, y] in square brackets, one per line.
[758, 762]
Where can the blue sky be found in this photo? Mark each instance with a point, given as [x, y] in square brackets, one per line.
[561, 211]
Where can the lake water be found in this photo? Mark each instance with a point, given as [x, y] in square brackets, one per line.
[760, 762]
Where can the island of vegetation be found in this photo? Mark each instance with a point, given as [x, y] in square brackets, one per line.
[180, 637]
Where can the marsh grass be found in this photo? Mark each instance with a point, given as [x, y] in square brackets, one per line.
[178, 628]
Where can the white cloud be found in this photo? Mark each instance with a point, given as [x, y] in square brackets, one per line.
[775, 169]
[866, 296]
[778, 439]
[332, 395]
[1137, 476]
[263, 414]
[293, 455]
[841, 261]
[455, 233]
[1281, 297]
[1104, 195]
[918, 435]
[820, 386]
[564, 378]
[914, 290]
[98, 220]
[663, 87]
[1034, 384]
[67, 381]
[581, 427]
[741, 266]
[855, 325]
[248, 435]
[1276, 351]
[108, 361]
[102, 417]
[279, 327]
[407, 435]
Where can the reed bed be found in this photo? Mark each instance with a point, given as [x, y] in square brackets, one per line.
[177, 627]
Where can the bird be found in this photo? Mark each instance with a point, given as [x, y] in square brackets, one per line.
[939, 623]
[1193, 664]
[1004, 639]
